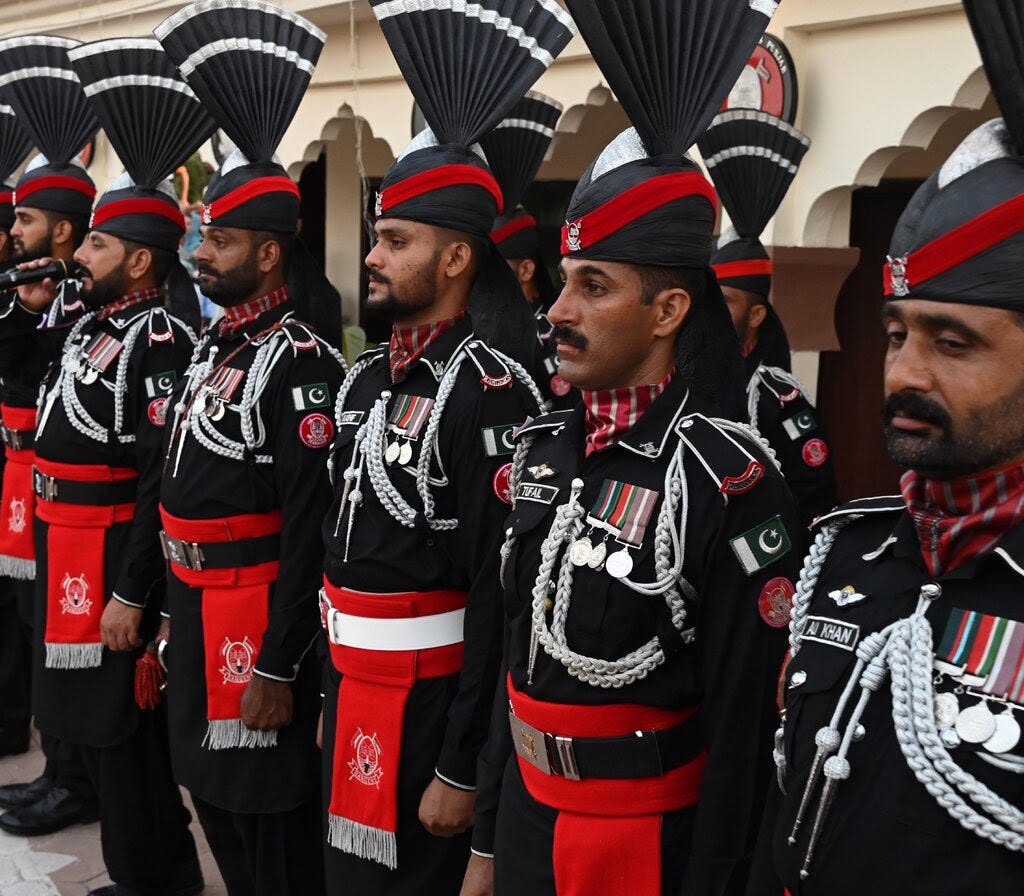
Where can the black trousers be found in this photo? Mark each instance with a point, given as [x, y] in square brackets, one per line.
[274, 854]
[426, 864]
[147, 846]
[15, 659]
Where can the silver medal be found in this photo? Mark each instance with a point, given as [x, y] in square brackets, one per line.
[596, 560]
[405, 455]
[1007, 734]
[88, 375]
[393, 452]
[946, 710]
[580, 551]
[976, 724]
[619, 564]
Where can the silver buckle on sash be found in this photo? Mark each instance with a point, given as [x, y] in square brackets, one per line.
[567, 757]
[530, 743]
[11, 437]
[183, 553]
[45, 486]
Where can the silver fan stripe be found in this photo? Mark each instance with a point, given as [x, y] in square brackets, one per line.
[138, 81]
[195, 9]
[543, 98]
[39, 40]
[6, 110]
[483, 15]
[37, 71]
[765, 117]
[757, 151]
[767, 7]
[526, 124]
[231, 44]
[118, 43]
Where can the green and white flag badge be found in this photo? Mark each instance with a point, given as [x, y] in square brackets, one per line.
[761, 546]
[798, 426]
[160, 384]
[310, 396]
[498, 440]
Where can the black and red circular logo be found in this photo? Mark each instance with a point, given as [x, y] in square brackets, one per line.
[767, 82]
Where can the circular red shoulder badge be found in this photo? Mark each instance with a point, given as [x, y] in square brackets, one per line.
[503, 483]
[157, 411]
[776, 601]
[767, 82]
[560, 387]
[815, 452]
[316, 430]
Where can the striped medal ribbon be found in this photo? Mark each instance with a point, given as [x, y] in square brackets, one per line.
[623, 511]
[406, 421]
[98, 355]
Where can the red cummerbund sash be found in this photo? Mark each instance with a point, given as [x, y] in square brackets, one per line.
[17, 545]
[381, 644]
[75, 548]
[235, 611]
[608, 831]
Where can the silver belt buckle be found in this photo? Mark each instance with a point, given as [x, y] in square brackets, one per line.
[46, 486]
[183, 553]
[530, 743]
[567, 756]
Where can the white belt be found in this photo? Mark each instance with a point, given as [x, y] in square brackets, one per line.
[417, 633]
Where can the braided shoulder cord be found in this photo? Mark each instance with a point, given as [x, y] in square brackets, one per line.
[753, 398]
[809, 575]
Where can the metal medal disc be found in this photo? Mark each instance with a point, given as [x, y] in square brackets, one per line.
[405, 455]
[619, 564]
[976, 724]
[88, 375]
[597, 556]
[392, 453]
[946, 710]
[580, 551]
[1007, 734]
[214, 409]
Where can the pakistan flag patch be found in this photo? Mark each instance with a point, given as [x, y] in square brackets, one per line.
[311, 396]
[761, 546]
[799, 425]
[160, 384]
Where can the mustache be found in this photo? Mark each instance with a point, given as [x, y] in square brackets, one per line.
[567, 336]
[84, 272]
[377, 277]
[909, 404]
[204, 270]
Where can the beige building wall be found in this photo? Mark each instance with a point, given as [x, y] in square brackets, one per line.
[887, 88]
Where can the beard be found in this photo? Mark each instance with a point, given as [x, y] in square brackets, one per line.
[417, 296]
[105, 290]
[986, 439]
[230, 287]
[20, 253]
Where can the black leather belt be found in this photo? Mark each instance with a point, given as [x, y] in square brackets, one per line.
[198, 556]
[643, 754]
[91, 494]
[18, 439]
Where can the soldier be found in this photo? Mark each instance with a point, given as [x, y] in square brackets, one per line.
[245, 484]
[515, 150]
[421, 468]
[53, 199]
[900, 757]
[752, 157]
[649, 558]
[15, 642]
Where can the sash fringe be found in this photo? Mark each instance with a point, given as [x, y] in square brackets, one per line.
[17, 568]
[228, 734]
[374, 844]
[74, 656]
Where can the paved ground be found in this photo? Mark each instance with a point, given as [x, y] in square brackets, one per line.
[67, 863]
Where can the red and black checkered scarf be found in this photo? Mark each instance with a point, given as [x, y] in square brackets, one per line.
[409, 343]
[959, 519]
[611, 413]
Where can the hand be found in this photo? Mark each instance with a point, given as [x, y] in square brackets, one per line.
[320, 731]
[164, 632]
[37, 296]
[119, 627]
[479, 879]
[267, 704]
[446, 811]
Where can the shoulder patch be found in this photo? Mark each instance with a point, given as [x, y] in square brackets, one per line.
[311, 396]
[760, 547]
[316, 430]
[498, 440]
[784, 386]
[494, 373]
[863, 507]
[734, 469]
[372, 354]
[300, 337]
[160, 329]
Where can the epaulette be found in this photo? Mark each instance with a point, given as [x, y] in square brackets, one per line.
[863, 507]
[372, 354]
[494, 372]
[546, 423]
[300, 336]
[732, 467]
[780, 384]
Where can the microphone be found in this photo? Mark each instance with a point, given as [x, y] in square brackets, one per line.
[55, 270]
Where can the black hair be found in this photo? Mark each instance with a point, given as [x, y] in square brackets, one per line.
[162, 258]
[655, 279]
[478, 248]
[79, 224]
[285, 240]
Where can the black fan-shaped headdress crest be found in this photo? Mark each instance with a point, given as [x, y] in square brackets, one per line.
[961, 238]
[15, 143]
[37, 81]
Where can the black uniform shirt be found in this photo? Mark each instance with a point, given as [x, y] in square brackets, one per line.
[474, 443]
[884, 833]
[730, 668]
[201, 484]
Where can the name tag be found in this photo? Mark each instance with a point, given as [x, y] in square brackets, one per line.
[352, 418]
[542, 494]
[833, 632]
